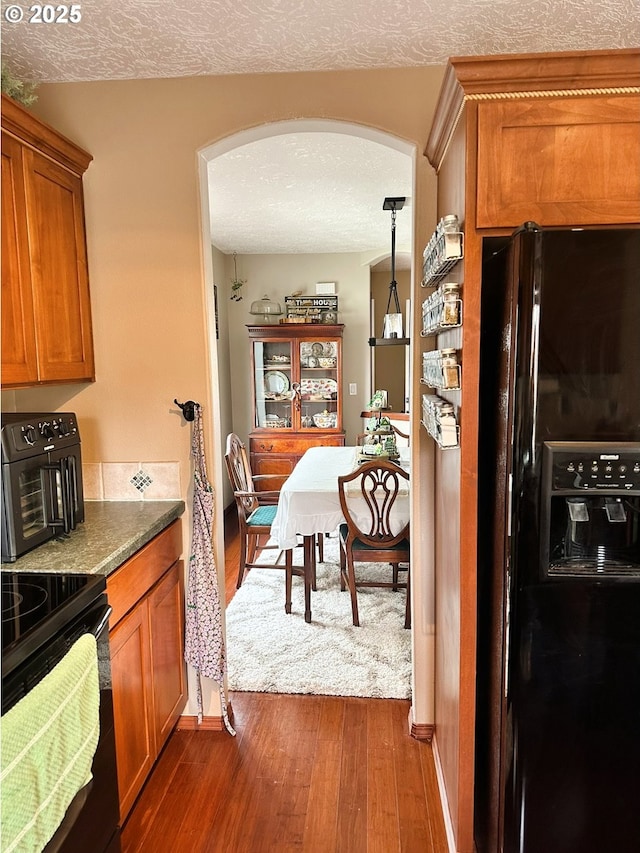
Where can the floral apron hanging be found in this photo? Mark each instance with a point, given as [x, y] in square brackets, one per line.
[204, 645]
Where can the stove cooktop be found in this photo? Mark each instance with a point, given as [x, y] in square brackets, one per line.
[36, 606]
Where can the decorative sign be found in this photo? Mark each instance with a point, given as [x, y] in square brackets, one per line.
[319, 309]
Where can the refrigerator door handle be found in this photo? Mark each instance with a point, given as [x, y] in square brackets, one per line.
[507, 632]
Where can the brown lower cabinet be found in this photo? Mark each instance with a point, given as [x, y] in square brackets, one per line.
[147, 661]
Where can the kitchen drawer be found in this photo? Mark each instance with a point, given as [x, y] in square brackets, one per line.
[127, 585]
[271, 463]
[295, 446]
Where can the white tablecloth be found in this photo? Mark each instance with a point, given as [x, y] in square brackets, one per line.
[309, 502]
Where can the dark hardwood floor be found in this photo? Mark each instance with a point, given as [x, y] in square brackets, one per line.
[304, 773]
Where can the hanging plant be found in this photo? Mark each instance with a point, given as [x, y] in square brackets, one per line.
[236, 283]
[18, 90]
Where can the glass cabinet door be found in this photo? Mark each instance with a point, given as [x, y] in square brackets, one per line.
[273, 384]
[319, 391]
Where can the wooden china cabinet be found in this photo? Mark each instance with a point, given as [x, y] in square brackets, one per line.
[296, 386]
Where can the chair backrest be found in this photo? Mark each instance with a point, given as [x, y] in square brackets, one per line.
[239, 472]
[403, 436]
[373, 488]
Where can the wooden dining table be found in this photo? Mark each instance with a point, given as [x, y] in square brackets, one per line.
[309, 502]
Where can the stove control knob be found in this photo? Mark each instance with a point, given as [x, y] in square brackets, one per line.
[29, 435]
[63, 428]
[46, 431]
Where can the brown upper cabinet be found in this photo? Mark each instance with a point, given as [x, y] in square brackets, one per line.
[559, 161]
[46, 312]
[555, 137]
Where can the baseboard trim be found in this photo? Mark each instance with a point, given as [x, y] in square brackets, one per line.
[420, 731]
[444, 802]
[188, 723]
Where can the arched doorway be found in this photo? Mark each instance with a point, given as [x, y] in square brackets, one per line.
[229, 348]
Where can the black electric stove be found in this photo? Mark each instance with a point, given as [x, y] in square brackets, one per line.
[43, 614]
[36, 608]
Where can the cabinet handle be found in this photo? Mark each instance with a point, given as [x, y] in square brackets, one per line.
[264, 447]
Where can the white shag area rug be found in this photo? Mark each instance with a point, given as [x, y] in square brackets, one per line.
[273, 652]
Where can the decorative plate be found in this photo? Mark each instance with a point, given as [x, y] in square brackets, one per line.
[318, 386]
[276, 382]
[318, 349]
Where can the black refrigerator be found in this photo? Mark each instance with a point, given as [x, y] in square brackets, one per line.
[557, 763]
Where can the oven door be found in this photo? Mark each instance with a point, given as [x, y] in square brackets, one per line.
[91, 821]
[41, 498]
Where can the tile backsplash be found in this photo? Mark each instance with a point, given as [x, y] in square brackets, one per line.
[131, 481]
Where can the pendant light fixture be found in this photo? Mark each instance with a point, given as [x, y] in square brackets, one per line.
[392, 325]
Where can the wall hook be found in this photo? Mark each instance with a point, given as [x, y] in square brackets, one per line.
[188, 409]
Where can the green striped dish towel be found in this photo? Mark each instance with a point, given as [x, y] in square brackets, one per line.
[48, 742]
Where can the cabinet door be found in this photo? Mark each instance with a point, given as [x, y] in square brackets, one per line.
[167, 652]
[559, 161]
[272, 381]
[59, 270]
[320, 392]
[19, 359]
[132, 703]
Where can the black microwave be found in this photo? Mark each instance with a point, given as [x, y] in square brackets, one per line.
[42, 496]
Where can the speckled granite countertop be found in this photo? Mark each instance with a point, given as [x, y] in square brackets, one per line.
[111, 532]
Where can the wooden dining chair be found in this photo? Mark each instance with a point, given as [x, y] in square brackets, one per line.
[256, 511]
[401, 435]
[374, 487]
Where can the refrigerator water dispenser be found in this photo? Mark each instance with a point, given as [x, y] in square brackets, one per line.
[590, 509]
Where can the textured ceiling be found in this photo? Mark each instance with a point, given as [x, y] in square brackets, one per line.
[156, 38]
[309, 192]
[302, 192]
